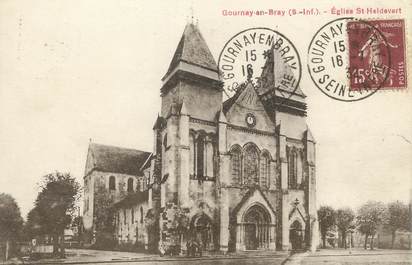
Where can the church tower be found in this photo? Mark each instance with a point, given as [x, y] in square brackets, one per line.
[192, 78]
[186, 134]
[295, 155]
[191, 91]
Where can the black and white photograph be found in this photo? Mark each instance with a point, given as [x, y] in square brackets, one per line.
[205, 132]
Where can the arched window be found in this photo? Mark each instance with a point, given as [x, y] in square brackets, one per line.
[112, 183]
[250, 165]
[130, 184]
[192, 159]
[200, 158]
[235, 159]
[209, 156]
[265, 170]
[292, 168]
[138, 185]
[165, 141]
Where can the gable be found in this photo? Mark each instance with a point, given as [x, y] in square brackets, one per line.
[247, 102]
[90, 164]
[252, 197]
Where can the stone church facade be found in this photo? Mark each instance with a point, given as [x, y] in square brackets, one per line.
[233, 175]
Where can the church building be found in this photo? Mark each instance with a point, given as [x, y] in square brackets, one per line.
[233, 175]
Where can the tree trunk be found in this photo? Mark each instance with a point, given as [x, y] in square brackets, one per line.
[62, 250]
[351, 240]
[7, 250]
[372, 242]
[393, 237]
[344, 240]
[324, 241]
[55, 244]
[366, 241]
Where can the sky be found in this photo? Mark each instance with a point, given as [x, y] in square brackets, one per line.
[75, 71]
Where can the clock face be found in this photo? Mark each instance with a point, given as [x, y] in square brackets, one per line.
[250, 120]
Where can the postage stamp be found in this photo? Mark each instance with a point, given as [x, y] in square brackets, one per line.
[350, 59]
[366, 56]
[245, 55]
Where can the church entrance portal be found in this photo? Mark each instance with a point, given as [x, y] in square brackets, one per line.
[256, 226]
[296, 235]
[201, 231]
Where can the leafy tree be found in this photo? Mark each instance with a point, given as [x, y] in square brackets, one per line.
[344, 221]
[104, 212]
[397, 218]
[327, 219]
[77, 224]
[32, 227]
[370, 216]
[410, 223]
[410, 217]
[11, 221]
[55, 205]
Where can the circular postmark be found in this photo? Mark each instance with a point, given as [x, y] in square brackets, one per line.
[348, 59]
[263, 57]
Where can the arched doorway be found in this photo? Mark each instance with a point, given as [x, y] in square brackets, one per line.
[256, 225]
[201, 230]
[296, 235]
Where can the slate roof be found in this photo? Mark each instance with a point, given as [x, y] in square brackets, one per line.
[193, 49]
[117, 159]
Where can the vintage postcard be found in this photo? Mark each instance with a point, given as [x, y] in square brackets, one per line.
[205, 132]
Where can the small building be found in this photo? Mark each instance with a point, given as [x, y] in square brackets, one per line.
[130, 220]
[111, 174]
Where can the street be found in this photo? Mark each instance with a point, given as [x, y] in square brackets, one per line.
[214, 261]
[376, 257]
[323, 257]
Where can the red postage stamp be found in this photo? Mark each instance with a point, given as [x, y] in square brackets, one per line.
[377, 54]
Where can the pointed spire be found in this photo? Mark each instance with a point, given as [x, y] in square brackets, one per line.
[280, 130]
[183, 109]
[222, 117]
[193, 50]
[276, 96]
[272, 74]
[159, 123]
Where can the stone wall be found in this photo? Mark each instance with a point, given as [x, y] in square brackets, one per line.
[130, 225]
